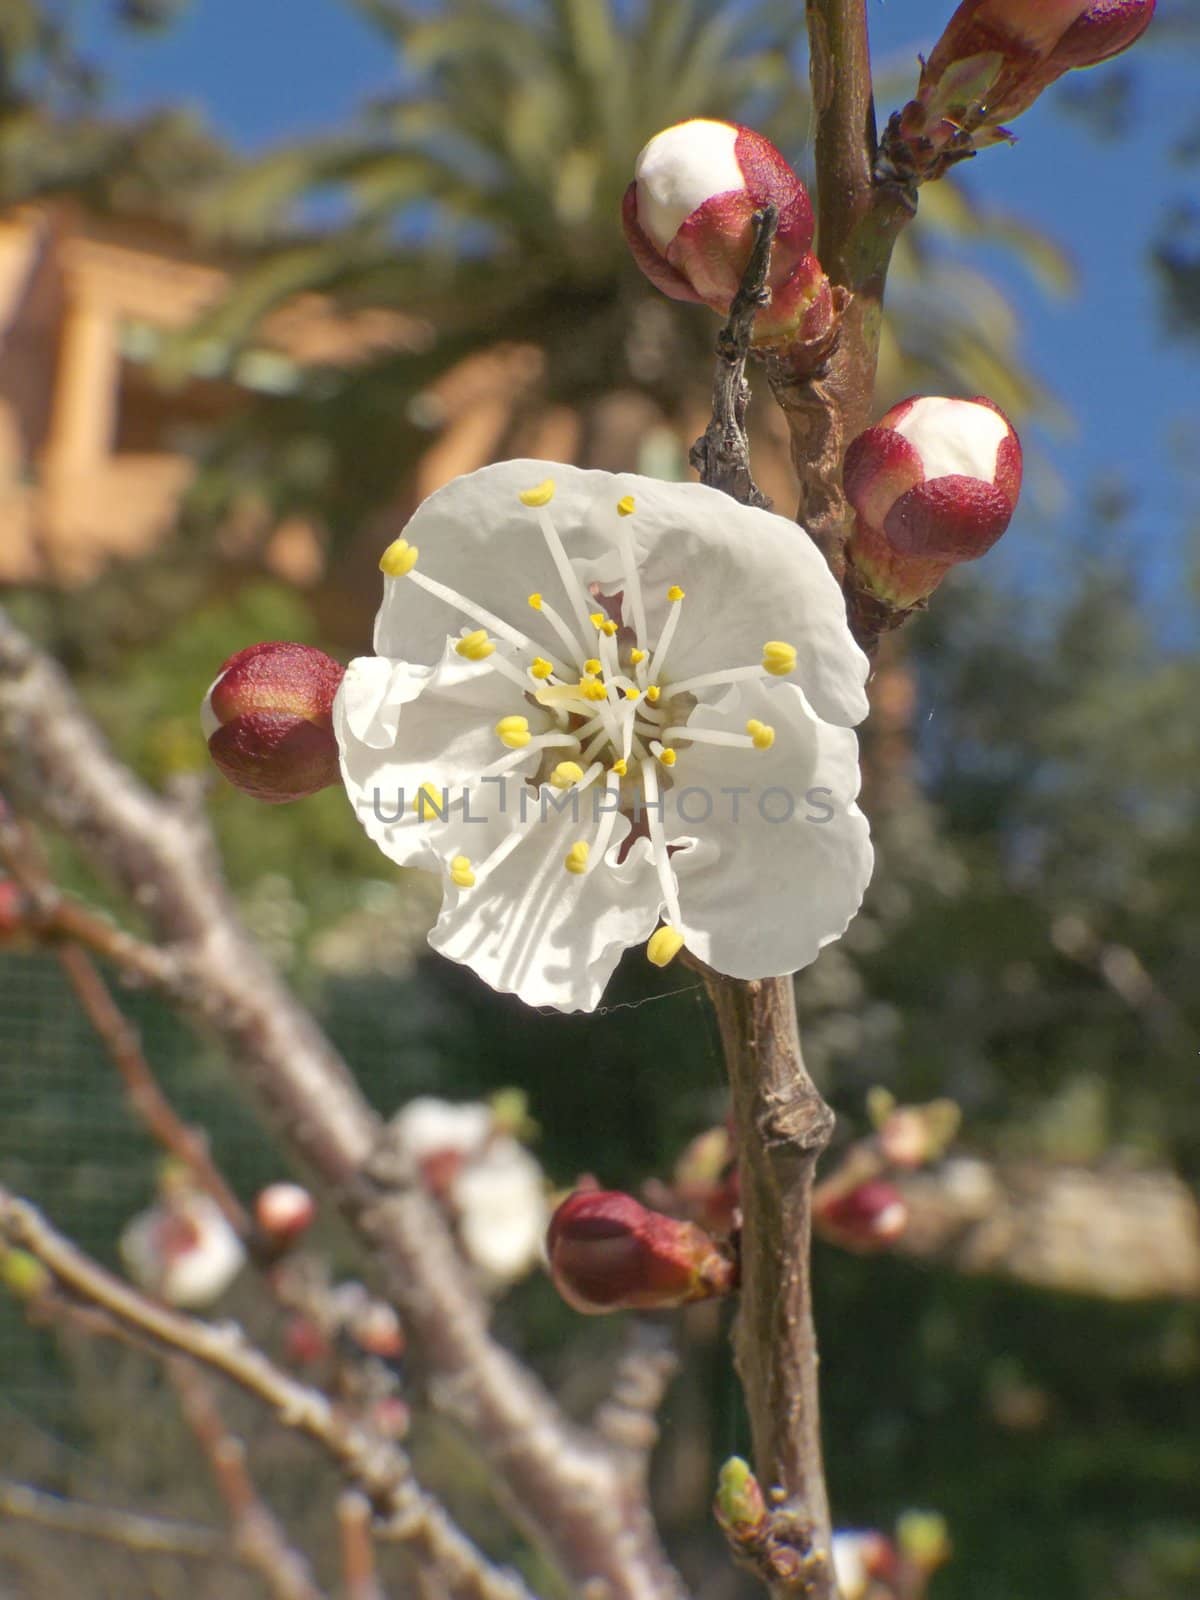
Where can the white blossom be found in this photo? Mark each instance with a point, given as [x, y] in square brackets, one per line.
[609, 710]
[183, 1250]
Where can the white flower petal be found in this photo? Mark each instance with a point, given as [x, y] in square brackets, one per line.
[778, 870]
[533, 929]
[748, 576]
[475, 536]
[444, 736]
[501, 1201]
[428, 1126]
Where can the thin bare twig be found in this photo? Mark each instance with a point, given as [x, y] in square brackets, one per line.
[722, 453]
[359, 1578]
[129, 1529]
[258, 1536]
[628, 1418]
[378, 1468]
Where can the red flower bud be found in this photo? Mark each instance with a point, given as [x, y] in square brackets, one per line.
[304, 1343]
[996, 57]
[268, 721]
[284, 1211]
[935, 482]
[688, 218]
[609, 1253]
[377, 1330]
[867, 1218]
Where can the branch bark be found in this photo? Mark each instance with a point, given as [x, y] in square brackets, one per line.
[128, 1529]
[860, 219]
[577, 1497]
[258, 1537]
[782, 1125]
[379, 1469]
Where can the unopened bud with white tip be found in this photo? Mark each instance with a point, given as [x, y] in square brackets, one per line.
[935, 482]
[689, 219]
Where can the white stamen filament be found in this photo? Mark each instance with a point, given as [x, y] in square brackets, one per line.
[478, 614]
[608, 822]
[712, 680]
[632, 578]
[658, 844]
[664, 641]
[566, 571]
[735, 741]
[543, 741]
[571, 644]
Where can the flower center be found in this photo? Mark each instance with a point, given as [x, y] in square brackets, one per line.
[621, 720]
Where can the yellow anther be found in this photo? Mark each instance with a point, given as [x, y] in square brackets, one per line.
[664, 945]
[592, 689]
[667, 756]
[596, 618]
[761, 732]
[566, 774]
[674, 594]
[637, 657]
[625, 506]
[429, 801]
[593, 667]
[475, 646]
[535, 600]
[577, 858]
[608, 627]
[398, 560]
[620, 767]
[654, 694]
[461, 874]
[539, 496]
[541, 668]
[633, 694]
[778, 658]
[513, 732]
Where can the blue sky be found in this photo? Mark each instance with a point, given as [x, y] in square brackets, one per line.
[266, 71]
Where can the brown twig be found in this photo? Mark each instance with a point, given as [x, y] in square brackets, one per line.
[861, 217]
[722, 453]
[259, 1538]
[782, 1125]
[54, 916]
[359, 1578]
[578, 1498]
[629, 1416]
[120, 1038]
[379, 1469]
[129, 1529]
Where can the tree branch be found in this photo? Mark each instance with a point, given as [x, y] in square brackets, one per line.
[860, 219]
[577, 1497]
[378, 1468]
[782, 1125]
[129, 1529]
[258, 1537]
[359, 1580]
